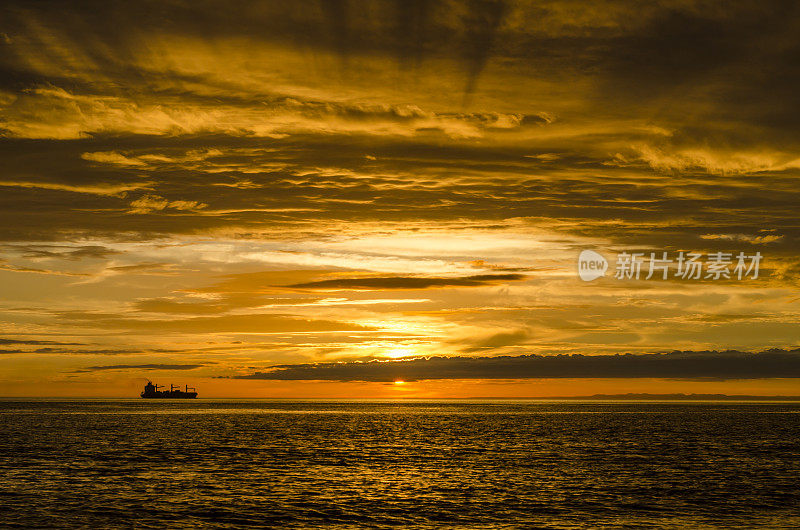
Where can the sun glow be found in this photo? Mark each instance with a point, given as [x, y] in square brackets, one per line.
[396, 353]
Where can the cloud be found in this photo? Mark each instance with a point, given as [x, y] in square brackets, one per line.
[5, 267]
[67, 351]
[676, 365]
[141, 267]
[252, 323]
[71, 116]
[113, 158]
[140, 367]
[499, 340]
[752, 239]
[222, 304]
[482, 21]
[38, 342]
[150, 203]
[399, 282]
[67, 252]
[720, 161]
[102, 189]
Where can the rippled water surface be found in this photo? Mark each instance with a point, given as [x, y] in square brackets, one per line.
[389, 465]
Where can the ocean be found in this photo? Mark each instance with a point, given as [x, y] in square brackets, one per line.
[364, 464]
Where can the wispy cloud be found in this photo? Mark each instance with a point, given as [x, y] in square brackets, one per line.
[117, 367]
[399, 282]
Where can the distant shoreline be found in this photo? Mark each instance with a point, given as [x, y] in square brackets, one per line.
[676, 397]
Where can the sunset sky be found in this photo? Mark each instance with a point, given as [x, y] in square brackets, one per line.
[200, 192]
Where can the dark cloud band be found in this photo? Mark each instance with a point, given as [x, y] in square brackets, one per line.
[678, 365]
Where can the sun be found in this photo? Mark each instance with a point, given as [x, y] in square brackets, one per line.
[399, 382]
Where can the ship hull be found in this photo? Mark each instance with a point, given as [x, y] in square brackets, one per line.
[171, 395]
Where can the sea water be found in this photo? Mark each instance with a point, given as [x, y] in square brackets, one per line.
[362, 464]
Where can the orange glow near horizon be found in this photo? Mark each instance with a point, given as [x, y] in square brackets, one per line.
[121, 387]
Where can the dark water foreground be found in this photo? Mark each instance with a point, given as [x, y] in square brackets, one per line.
[340, 464]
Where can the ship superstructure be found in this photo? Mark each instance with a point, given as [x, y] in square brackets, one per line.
[174, 392]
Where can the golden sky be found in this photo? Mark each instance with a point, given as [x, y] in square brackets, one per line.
[282, 199]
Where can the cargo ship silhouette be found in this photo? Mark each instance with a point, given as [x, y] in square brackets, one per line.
[175, 392]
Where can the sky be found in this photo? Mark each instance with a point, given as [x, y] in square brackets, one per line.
[339, 199]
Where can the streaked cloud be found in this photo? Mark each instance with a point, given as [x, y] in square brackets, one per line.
[138, 367]
[400, 282]
[30, 342]
[102, 189]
